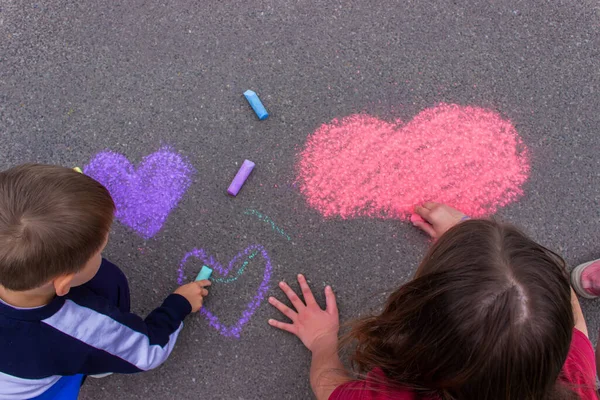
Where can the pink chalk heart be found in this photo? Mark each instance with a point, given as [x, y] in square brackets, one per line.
[467, 157]
[249, 253]
[144, 196]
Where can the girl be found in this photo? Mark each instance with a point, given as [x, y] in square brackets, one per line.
[489, 315]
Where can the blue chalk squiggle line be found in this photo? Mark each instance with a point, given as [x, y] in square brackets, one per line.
[269, 221]
[239, 271]
[214, 321]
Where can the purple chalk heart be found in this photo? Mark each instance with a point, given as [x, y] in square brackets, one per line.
[235, 329]
[144, 196]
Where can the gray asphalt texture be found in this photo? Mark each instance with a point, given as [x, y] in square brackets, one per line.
[79, 77]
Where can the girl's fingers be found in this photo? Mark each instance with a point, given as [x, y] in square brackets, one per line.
[430, 205]
[425, 226]
[283, 326]
[296, 302]
[422, 211]
[309, 299]
[330, 301]
[285, 310]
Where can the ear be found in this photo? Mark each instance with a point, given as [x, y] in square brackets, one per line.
[62, 284]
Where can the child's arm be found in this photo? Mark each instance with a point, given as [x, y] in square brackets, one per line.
[109, 340]
[578, 314]
[326, 369]
[318, 330]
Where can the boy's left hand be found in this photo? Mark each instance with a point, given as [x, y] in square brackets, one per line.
[314, 326]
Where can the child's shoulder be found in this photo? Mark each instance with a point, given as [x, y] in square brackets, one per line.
[373, 387]
[579, 369]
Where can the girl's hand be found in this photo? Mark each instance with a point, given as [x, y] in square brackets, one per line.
[313, 326]
[437, 218]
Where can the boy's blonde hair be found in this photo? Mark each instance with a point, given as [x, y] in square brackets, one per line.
[52, 221]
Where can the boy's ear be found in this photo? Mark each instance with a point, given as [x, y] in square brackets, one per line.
[62, 284]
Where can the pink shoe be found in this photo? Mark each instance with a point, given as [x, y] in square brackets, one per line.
[585, 279]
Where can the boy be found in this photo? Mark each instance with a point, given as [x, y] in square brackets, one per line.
[64, 311]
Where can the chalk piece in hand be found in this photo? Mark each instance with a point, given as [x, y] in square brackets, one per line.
[78, 170]
[240, 177]
[256, 104]
[204, 273]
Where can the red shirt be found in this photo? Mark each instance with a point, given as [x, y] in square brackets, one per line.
[579, 373]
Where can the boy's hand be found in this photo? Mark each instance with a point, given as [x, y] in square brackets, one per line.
[437, 218]
[194, 292]
[313, 326]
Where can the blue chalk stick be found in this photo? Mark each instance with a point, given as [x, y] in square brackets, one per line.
[204, 273]
[256, 104]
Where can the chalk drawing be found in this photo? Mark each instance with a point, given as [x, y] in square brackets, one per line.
[269, 221]
[468, 157]
[250, 252]
[239, 272]
[182, 278]
[144, 196]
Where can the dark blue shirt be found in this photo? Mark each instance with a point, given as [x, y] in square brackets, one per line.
[81, 333]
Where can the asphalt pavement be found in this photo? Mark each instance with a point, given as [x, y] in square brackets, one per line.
[78, 78]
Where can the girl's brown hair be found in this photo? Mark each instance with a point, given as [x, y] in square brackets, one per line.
[52, 221]
[487, 316]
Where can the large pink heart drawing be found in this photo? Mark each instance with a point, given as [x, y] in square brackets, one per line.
[255, 249]
[468, 157]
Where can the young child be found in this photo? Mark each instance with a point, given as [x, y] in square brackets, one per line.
[64, 311]
[489, 315]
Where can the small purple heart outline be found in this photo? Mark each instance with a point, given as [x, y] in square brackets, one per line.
[235, 329]
[144, 196]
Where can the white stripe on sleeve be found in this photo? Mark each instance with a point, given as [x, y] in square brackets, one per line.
[14, 388]
[104, 333]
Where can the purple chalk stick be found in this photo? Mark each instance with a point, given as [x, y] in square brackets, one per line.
[240, 177]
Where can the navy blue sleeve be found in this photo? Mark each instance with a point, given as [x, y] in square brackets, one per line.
[120, 341]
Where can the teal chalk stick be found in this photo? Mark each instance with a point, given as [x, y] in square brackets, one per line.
[204, 273]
